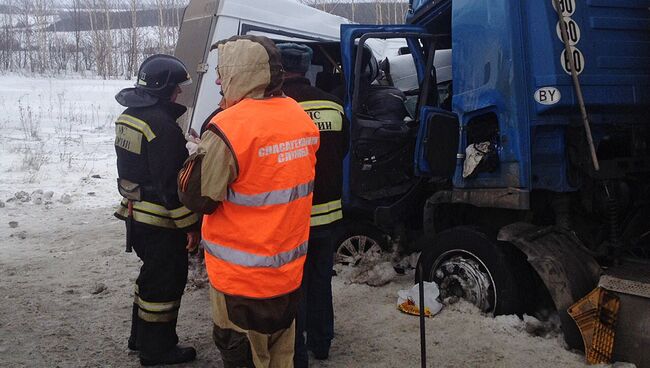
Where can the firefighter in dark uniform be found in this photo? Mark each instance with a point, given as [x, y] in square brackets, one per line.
[150, 151]
[316, 313]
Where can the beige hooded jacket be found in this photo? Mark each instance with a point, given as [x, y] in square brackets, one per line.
[248, 67]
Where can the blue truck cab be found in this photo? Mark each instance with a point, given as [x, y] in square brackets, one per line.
[491, 174]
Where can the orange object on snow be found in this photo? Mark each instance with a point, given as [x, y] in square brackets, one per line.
[409, 307]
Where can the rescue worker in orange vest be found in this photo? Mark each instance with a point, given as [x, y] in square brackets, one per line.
[316, 313]
[253, 176]
[150, 151]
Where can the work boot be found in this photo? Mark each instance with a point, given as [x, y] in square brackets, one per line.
[132, 345]
[321, 354]
[175, 355]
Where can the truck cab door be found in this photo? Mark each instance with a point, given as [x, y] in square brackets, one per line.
[390, 155]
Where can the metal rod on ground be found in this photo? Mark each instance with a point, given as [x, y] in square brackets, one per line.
[423, 335]
[576, 84]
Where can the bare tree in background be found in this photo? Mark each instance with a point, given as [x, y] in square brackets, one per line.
[102, 36]
[7, 39]
[76, 21]
[134, 46]
[162, 44]
[59, 48]
[108, 39]
[174, 23]
[324, 5]
[169, 20]
[384, 11]
[42, 16]
[378, 19]
[24, 19]
[96, 38]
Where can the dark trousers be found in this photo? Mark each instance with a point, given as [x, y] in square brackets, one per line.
[159, 287]
[315, 311]
[254, 332]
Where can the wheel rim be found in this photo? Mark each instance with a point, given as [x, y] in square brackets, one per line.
[357, 248]
[462, 274]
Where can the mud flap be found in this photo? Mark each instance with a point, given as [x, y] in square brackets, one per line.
[561, 261]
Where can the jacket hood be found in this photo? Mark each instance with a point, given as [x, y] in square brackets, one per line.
[249, 67]
[135, 97]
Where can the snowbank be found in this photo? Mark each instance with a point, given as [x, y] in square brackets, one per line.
[56, 137]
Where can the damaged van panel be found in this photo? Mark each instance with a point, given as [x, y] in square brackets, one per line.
[207, 21]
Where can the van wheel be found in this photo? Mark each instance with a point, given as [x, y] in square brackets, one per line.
[467, 264]
[360, 242]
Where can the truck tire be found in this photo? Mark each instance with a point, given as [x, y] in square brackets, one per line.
[467, 264]
[359, 241]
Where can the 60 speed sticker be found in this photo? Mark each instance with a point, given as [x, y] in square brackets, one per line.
[578, 59]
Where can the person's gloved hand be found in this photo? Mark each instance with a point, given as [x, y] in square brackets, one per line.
[193, 141]
[191, 147]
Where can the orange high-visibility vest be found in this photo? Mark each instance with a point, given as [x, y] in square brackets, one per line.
[256, 241]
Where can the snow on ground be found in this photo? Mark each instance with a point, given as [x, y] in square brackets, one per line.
[56, 135]
[66, 283]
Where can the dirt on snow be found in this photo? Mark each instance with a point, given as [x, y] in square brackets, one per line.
[66, 287]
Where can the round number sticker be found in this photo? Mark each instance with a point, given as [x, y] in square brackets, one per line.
[578, 59]
[568, 6]
[572, 30]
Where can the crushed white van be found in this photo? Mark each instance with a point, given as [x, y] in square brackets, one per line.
[208, 21]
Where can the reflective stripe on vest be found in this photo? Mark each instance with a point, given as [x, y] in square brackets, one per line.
[326, 213]
[269, 198]
[157, 215]
[246, 259]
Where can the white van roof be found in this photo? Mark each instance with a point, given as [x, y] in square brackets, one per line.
[286, 15]
[208, 21]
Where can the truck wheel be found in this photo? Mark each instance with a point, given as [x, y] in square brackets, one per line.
[467, 264]
[360, 241]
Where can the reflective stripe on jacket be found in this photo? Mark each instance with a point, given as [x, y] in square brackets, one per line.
[256, 241]
[328, 117]
[150, 150]
[157, 215]
[326, 213]
[156, 311]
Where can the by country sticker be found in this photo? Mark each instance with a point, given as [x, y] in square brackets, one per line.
[548, 95]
